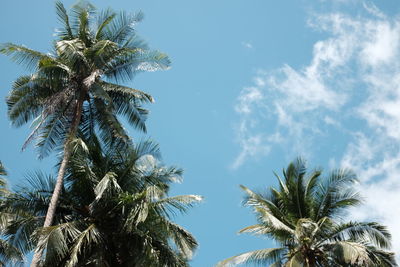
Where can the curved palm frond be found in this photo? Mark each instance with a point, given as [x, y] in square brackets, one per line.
[262, 256]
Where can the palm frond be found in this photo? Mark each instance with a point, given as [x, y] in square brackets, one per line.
[71, 51]
[80, 20]
[262, 256]
[22, 55]
[121, 27]
[55, 240]
[51, 134]
[336, 193]
[170, 205]
[372, 232]
[269, 212]
[87, 238]
[24, 100]
[107, 186]
[147, 147]
[125, 68]
[381, 258]
[102, 52]
[128, 92]
[183, 239]
[65, 33]
[104, 18]
[351, 253]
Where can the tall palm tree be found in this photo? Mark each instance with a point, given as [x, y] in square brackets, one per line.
[70, 92]
[114, 211]
[9, 254]
[305, 217]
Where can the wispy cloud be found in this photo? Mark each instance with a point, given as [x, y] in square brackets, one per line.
[287, 98]
[248, 45]
[350, 88]
[250, 100]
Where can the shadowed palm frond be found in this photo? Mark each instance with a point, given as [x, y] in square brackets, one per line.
[22, 55]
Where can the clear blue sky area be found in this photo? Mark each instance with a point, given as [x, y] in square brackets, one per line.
[253, 84]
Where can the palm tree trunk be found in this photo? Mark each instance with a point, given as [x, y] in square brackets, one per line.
[60, 178]
[311, 262]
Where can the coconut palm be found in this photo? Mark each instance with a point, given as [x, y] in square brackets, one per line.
[70, 90]
[305, 217]
[114, 211]
[9, 254]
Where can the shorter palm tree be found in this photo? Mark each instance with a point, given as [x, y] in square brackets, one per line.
[114, 210]
[305, 217]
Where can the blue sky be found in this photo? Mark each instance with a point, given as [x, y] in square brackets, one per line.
[253, 84]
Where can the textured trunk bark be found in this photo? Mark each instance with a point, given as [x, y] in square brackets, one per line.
[60, 177]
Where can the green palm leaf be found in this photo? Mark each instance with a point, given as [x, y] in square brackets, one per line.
[262, 256]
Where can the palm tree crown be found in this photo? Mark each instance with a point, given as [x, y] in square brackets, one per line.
[114, 211]
[72, 82]
[305, 216]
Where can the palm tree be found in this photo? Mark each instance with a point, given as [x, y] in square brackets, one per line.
[305, 216]
[9, 254]
[114, 211]
[70, 92]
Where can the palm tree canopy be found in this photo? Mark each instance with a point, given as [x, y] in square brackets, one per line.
[114, 211]
[92, 50]
[305, 216]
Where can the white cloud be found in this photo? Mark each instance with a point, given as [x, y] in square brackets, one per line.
[248, 99]
[380, 185]
[251, 146]
[286, 94]
[351, 88]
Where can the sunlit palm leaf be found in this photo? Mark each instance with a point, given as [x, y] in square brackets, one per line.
[262, 256]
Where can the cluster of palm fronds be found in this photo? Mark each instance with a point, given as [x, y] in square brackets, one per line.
[114, 210]
[305, 217]
[71, 84]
